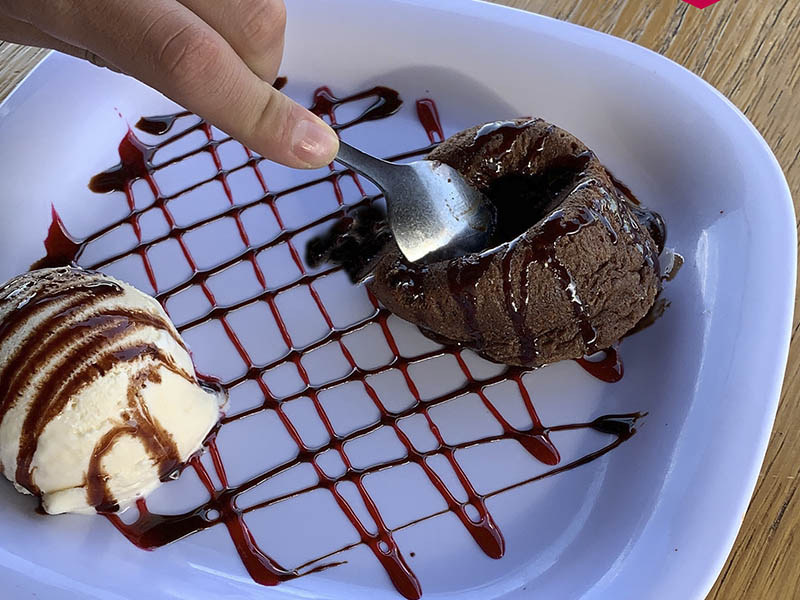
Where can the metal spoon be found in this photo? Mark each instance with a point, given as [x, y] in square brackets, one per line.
[434, 213]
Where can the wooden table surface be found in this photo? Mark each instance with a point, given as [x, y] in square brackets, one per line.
[750, 51]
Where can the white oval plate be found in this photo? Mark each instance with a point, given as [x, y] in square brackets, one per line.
[653, 519]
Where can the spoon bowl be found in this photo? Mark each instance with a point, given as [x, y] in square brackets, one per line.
[434, 213]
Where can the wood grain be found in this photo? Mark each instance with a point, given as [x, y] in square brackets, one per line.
[15, 63]
[750, 51]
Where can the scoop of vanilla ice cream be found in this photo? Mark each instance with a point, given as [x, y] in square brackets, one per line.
[99, 401]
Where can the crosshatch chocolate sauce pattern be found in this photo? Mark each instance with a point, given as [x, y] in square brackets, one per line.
[151, 530]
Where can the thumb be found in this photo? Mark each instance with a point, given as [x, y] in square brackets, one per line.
[287, 133]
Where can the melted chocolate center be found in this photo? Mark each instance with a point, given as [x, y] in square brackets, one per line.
[353, 242]
[524, 200]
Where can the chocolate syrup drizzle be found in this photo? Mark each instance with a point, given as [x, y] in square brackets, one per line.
[152, 530]
[80, 339]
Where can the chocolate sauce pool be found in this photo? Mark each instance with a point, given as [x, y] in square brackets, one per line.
[152, 530]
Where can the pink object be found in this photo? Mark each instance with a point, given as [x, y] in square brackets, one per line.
[701, 3]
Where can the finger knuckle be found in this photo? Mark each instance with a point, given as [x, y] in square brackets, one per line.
[264, 22]
[273, 119]
[265, 119]
[188, 53]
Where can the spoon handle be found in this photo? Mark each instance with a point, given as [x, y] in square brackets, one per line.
[379, 171]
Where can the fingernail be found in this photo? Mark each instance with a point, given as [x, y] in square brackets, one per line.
[314, 143]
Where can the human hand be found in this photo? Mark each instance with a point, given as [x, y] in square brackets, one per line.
[217, 58]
